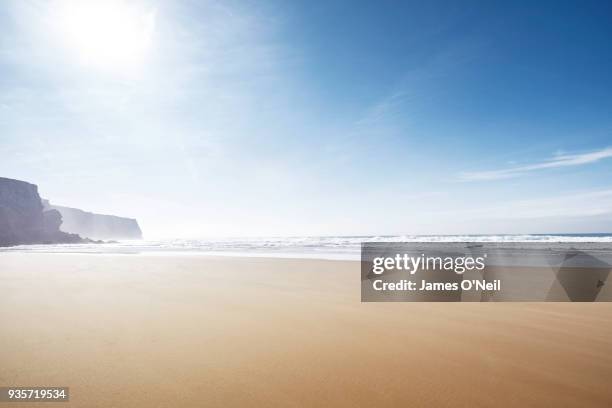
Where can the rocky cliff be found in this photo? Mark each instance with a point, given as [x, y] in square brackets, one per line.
[23, 219]
[96, 226]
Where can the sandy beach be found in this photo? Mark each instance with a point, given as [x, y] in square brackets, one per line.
[194, 331]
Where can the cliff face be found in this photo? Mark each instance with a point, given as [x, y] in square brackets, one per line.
[23, 220]
[96, 226]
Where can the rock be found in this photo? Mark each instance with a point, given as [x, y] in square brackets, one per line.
[96, 226]
[22, 219]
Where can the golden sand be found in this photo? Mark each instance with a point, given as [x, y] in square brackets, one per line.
[197, 331]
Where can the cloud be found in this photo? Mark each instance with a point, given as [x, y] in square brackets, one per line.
[574, 204]
[384, 110]
[555, 162]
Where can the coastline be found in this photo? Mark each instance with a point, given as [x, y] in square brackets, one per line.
[346, 248]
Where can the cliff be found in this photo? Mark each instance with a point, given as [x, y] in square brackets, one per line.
[96, 226]
[23, 219]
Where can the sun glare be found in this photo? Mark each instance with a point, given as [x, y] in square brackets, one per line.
[107, 34]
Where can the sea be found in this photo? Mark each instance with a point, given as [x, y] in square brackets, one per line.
[316, 247]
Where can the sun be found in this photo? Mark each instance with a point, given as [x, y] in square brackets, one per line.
[107, 34]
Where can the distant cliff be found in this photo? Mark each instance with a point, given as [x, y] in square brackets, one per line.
[23, 219]
[96, 226]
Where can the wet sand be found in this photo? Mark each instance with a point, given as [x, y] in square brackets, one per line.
[193, 331]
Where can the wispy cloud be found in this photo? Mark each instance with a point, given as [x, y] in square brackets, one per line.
[384, 110]
[565, 160]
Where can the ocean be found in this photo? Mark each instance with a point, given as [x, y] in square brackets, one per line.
[317, 247]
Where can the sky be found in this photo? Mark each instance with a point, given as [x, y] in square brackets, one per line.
[272, 118]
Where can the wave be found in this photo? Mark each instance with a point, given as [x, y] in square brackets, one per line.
[322, 247]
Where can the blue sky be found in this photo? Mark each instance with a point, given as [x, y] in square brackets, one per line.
[294, 118]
